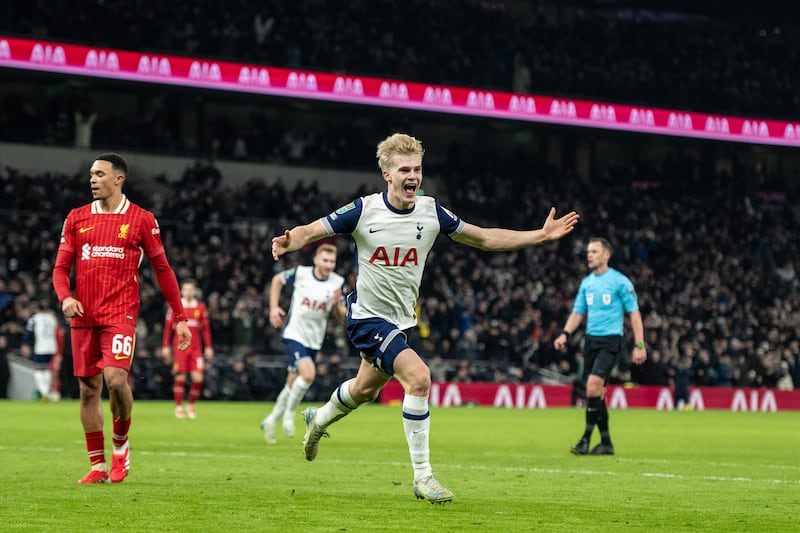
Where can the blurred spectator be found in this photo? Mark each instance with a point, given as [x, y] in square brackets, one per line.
[438, 369]
[681, 381]
[654, 371]
[697, 287]
[84, 123]
[5, 373]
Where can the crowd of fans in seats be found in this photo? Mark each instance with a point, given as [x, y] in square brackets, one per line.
[715, 270]
[712, 253]
[725, 62]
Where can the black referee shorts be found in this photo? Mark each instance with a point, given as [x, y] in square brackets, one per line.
[601, 355]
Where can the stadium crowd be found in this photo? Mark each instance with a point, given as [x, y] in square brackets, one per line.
[716, 271]
[715, 268]
[720, 62]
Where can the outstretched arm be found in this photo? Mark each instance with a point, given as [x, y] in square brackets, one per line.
[297, 237]
[276, 314]
[501, 240]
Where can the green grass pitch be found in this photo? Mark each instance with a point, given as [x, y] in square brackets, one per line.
[510, 471]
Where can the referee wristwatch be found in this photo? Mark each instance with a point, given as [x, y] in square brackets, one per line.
[639, 345]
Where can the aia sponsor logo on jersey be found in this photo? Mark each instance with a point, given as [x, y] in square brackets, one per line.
[314, 305]
[394, 257]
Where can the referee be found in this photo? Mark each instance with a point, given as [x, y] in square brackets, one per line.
[604, 296]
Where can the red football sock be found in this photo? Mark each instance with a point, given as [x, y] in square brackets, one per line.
[194, 392]
[178, 389]
[95, 446]
[121, 428]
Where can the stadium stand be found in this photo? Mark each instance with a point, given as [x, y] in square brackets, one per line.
[706, 233]
[707, 56]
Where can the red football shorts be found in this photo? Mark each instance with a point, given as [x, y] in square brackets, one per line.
[185, 361]
[94, 348]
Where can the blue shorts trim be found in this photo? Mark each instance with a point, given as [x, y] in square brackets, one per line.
[42, 358]
[295, 352]
[378, 340]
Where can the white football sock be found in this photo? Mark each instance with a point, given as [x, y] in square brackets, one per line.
[280, 405]
[417, 426]
[296, 393]
[43, 380]
[340, 405]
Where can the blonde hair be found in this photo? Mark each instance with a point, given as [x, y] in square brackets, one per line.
[325, 248]
[397, 144]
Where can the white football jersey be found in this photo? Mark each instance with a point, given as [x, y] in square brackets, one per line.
[392, 248]
[312, 302]
[41, 327]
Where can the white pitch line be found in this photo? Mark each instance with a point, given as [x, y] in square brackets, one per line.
[476, 467]
[710, 463]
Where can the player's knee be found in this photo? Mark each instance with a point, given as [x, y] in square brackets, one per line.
[594, 387]
[116, 380]
[90, 390]
[418, 382]
[308, 374]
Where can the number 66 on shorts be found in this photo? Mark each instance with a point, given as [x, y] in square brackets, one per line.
[104, 346]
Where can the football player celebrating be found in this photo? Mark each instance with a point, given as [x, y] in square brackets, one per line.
[394, 231]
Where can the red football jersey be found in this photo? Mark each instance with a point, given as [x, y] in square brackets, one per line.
[197, 319]
[107, 249]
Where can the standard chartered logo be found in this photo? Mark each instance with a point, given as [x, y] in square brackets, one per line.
[115, 252]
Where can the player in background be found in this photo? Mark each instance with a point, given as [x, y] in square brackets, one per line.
[106, 241]
[316, 293]
[40, 345]
[191, 361]
[604, 296]
[394, 231]
[57, 363]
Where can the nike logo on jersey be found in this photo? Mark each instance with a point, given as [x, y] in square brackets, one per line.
[84, 230]
[373, 230]
[121, 357]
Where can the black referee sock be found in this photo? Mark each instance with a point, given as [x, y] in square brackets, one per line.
[594, 406]
[602, 423]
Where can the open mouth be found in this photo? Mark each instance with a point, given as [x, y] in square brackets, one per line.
[410, 188]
